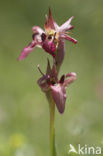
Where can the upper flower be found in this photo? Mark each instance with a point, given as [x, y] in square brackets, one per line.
[51, 39]
[49, 81]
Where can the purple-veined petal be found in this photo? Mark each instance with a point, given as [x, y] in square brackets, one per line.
[69, 38]
[48, 70]
[71, 74]
[60, 52]
[72, 77]
[62, 79]
[66, 26]
[53, 73]
[37, 29]
[59, 96]
[25, 52]
[56, 26]
[39, 35]
[37, 41]
[42, 82]
[49, 24]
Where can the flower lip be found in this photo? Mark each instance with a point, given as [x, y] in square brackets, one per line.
[49, 47]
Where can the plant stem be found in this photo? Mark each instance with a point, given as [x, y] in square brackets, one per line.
[52, 129]
[52, 125]
[52, 118]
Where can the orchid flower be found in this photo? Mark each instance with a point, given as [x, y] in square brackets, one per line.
[51, 39]
[58, 87]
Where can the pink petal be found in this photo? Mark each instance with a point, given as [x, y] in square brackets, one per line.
[54, 73]
[62, 79]
[49, 21]
[37, 29]
[37, 40]
[48, 70]
[69, 38]
[60, 52]
[25, 52]
[42, 82]
[72, 78]
[67, 26]
[56, 26]
[59, 97]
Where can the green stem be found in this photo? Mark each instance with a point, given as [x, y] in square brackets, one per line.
[52, 129]
[52, 125]
[52, 118]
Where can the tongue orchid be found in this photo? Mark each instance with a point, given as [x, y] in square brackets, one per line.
[51, 39]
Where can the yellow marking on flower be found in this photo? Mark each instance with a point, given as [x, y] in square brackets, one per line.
[52, 33]
[56, 37]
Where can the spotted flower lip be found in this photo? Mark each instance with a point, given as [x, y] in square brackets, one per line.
[51, 39]
[49, 81]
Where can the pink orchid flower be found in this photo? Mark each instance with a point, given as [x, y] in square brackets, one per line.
[51, 39]
[58, 87]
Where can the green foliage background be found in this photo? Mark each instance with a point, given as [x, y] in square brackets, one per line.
[24, 112]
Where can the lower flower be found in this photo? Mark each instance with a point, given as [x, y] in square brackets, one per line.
[49, 81]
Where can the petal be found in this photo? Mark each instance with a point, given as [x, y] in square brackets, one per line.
[25, 52]
[49, 24]
[59, 96]
[42, 82]
[62, 79]
[39, 35]
[60, 52]
[72, 78]
[57, 28]
[67, 26]
[48, 71]
[37, 29]
[69, 38]
[54, 73]
[37, 41]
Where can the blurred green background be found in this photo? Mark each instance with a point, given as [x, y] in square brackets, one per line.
[24, 112]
